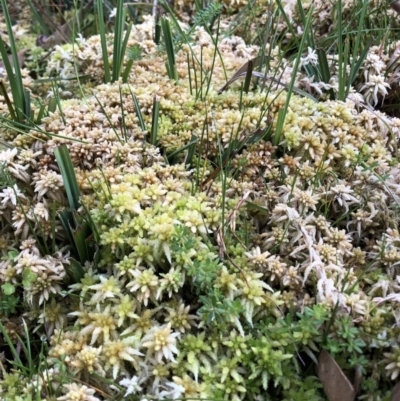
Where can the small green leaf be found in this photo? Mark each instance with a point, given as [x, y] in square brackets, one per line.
[28, 277]
[12, 254]
[8, 288]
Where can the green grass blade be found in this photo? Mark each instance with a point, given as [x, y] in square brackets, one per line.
[75, 270]
[7, 99]
[355, 66]
[103, 40]
[265, 58]
[58, 101]
[249, 74]
[192, 149]
[324, 70]
[215, 41]
[27, 106]
[16, 83]
[323, 65]
[41, 114]
[183, 34]
[287, 21]
[171, 156]
[167, 34]
[118, 42]
[37, 17]
[66, 220]
[309, 34]
[52, 105]
[282, 113]
[134, 53]
[157, 30]
[108, 118]
[82, 235]
[120, 62]
[17, 360]
[342, 69]
[27, 347]
[122, 121]
[68, 174]
[90, 221]
[127, 70]
[17, 103]
[138, 111]
[154, 121]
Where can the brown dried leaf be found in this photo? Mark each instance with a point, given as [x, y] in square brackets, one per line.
[336, 385]
[241, 72]
[393, 59]
[396, 393]
[255, 62]
[21, 59]
[396, 6]
[64, 32]
[357, 380]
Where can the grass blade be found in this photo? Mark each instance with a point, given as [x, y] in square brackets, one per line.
[122, 121]
[287, 21]
[171, 65]
[103, 40]
[119, 28]
[18, 101]
[355, 66]
[171, 156]
[157, 30]
[68, 174]
[154, 121]
[138, 111]
[27, 347]
[342, 70]
[84, 244]
[7, 99]
[120, 62]
[323, 65]
[247, 80]
[37, 17]
[134, 53]
[283, 112]
[75, 270]
[17, 361]
[15, 77]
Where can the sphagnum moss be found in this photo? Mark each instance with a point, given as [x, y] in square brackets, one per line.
[173, 309]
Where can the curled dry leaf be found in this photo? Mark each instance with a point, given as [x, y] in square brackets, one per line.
[336, 385]
[395, 393]
[21, 60]
[64, 33]
[41, 40]
[241, 72]
[247, 68]
[396, 6]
